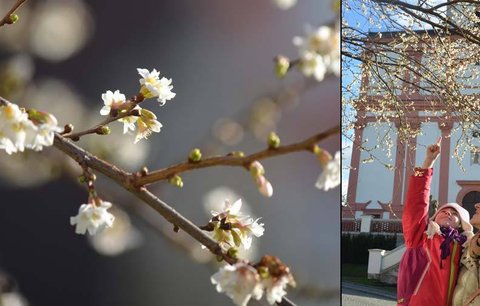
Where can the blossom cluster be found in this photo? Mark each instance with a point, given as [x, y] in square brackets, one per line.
[241, 281]
[20, 129]
[319, 51]
[231, 229]
[146, 121]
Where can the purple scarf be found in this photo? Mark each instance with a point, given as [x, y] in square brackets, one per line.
[449, 234]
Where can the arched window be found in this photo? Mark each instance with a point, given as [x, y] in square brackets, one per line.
[469, 200]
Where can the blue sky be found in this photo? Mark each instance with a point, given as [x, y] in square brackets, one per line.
[359, 21]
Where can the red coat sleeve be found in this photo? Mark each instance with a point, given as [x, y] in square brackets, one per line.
[415, 211]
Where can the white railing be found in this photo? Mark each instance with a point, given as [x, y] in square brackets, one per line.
[381, 261]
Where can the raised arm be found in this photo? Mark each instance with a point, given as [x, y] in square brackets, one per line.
[433, 151]
[415, 212]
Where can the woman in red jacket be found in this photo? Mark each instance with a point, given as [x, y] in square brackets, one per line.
[429, 268]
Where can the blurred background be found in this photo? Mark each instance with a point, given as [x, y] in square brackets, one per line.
[63, 54]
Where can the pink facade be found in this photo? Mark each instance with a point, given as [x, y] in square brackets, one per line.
[405, 160]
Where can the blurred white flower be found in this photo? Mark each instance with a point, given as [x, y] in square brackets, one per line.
[330, 176]
[12, 299]
[29, 168]
[46, 93]
[319, 51]
[275, 277]
[119, 238]
[92, 218]
[319, 40]
[20, 130]
[213, 200]
[15, 74]
[59, 28]
[111, 100]
[240, 282]
[153, 86]
[15, 128]
[228, 131]
[285, 4]
[312, 64]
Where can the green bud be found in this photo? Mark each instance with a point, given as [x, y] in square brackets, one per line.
[13, 18]
[282, 64]
[176, 181]
[82, 179]
[219, 258]
[104, 130]
[263, 272]
[233, 252]
[238, 154]
[273, 140]
[316, 150]
[68, 128]
[195, 155]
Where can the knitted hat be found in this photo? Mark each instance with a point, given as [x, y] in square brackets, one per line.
[462, 213]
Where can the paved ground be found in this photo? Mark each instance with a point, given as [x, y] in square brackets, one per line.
[360, 295]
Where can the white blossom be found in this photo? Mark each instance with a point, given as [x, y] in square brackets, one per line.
[20, 130]
[111, 100]
[128, 123]
[92, 218]
[45, 133]
[242, 227]
[240, 282]
[15, 128]
[275, 288]
[330, 176]
[153, 86]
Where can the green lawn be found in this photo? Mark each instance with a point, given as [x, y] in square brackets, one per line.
[356, 273]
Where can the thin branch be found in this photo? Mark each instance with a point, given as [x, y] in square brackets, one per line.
[123, 178]
[166, 173]
[6, 19]
[127, 110]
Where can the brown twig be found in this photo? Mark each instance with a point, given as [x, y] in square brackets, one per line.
[123, 178]
[166, 173]
[125, 111]
[5, 20]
